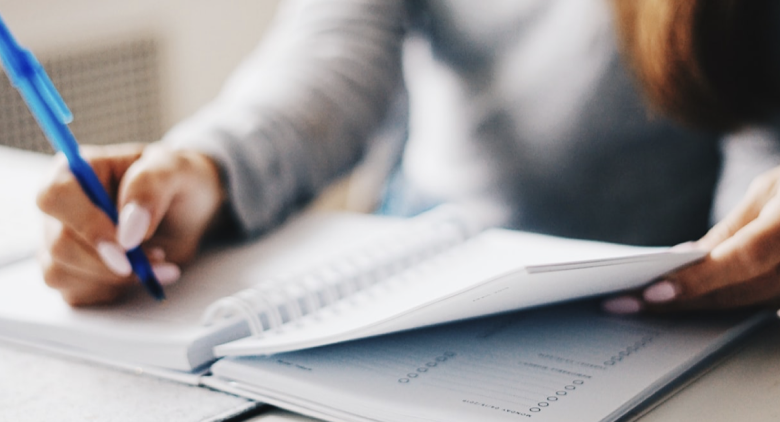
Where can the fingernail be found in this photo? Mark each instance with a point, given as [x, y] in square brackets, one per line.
[157, 254]
[166, 273]
[660, 292]
[133, 223]
[114, 257]
[622, 305]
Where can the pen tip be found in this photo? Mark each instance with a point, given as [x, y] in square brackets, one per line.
[154, 288]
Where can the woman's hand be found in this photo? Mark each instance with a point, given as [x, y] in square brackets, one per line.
[741, 269]
[167, 199]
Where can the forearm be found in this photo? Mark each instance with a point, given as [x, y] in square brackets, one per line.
[297, 113]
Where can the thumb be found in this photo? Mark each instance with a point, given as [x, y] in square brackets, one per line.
[145, 195]
[746, 211]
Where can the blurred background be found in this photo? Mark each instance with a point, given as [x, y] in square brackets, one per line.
[128, 70]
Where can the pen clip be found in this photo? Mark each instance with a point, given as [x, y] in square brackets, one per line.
[45, 86]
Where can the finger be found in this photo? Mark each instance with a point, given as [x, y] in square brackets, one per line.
[761, 190]
[748, 253]
[167, 273]
[145, 195]
[626, 304]
[109, 164]
[64, 278]
[762, 290]
[81, 293]
[64, 199]
[73, 250]
[77, 258]
[182, 185]
[156, 254]
[68, 250]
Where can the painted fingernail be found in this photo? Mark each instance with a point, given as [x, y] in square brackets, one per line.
[660, 292]
[623, 305]
[133, 223]
[114, 257]
[166, 273]
[157, 254]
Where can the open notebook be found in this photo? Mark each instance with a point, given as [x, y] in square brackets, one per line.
[553, 364]
[327, 278]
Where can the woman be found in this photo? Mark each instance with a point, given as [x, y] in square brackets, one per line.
[534, 108]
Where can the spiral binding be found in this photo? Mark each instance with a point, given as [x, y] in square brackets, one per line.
[275, 302]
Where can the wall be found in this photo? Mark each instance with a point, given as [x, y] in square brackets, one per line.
[200, 40]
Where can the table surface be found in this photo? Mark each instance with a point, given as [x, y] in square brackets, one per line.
[38, 386]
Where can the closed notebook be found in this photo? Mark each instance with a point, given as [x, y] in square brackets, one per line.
[327, 278]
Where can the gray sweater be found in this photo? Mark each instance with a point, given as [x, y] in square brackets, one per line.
[524, 105]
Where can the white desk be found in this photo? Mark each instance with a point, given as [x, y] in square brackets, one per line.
[36, 386]
[743, 387]
[21, 174]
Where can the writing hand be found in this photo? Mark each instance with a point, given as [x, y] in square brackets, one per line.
[167, 200]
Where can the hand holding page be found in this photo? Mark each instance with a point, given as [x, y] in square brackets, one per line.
[434, 271]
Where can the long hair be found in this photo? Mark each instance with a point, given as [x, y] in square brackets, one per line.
[706, 63]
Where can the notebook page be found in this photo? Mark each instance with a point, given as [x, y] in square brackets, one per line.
[562, 363]
[140, 329]
[486, 274]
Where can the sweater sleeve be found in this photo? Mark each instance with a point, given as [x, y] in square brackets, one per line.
[299, 111]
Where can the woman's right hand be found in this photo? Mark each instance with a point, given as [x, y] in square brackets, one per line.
[167, 200]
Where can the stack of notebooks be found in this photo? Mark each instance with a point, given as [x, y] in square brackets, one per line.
[350, 317]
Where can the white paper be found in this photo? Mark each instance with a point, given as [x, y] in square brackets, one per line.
[565, 363]
[496, 271]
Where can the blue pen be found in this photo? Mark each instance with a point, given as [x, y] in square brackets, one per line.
[27, 75]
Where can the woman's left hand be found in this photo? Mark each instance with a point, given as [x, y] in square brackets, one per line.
[742, 267]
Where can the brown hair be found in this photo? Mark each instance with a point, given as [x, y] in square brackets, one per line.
[702, 62]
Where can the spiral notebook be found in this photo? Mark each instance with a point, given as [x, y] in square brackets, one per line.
[327, 278]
